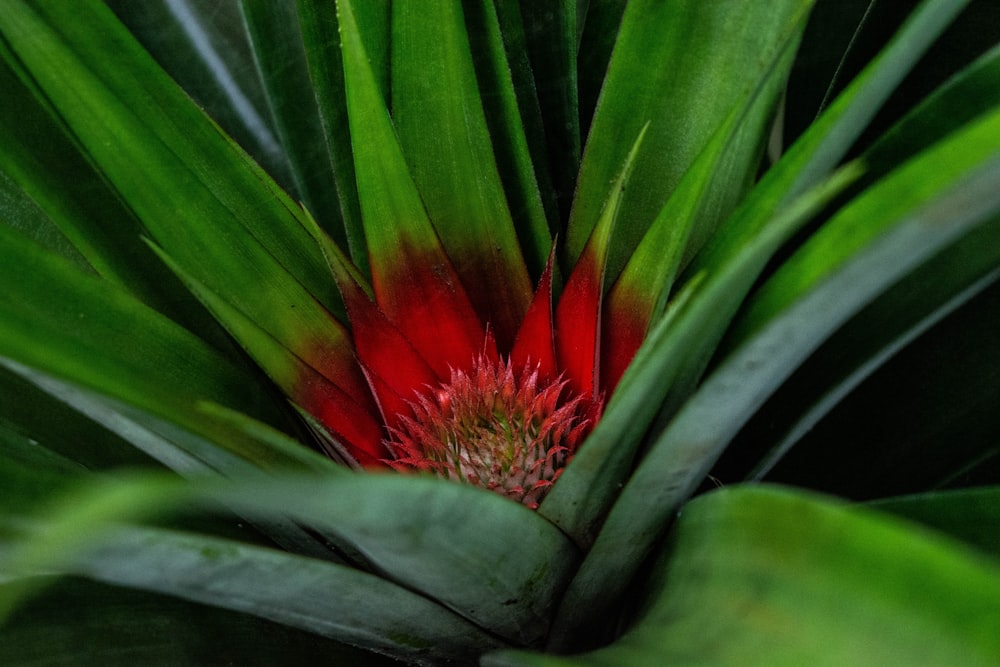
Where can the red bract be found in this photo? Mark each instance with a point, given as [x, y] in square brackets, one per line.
[450, 401]
[471, 375]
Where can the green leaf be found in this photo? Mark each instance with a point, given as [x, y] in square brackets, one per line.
[529, 192]
[512, 31]
[898, 433]
[816, 153]
[389, 197]
[844, 35]
[78, 621]
[638, 298]
[321, 598]
[675, 354]
[858, 349]
[39, 417]
[902, 313]
[740, 248]
[308, 387]
[321, 36]
[175, 168]
[374, 21]
[681, 67]
[600, 31]
[31, 472]
[973, 91]
[551, 40]
[404, 526]
[868, 245]
[283, 59]
[78, 327]
[231, 449]
[321, 41]
[661, 374]
[52, 189]
[21, 212]
[133, 371]
[409, 527]
[759, 575]
[188, 451]
[439, 118]
[971, 515]
[205, 48]
[946, 188]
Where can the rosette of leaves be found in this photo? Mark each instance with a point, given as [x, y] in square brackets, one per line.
[246, 243]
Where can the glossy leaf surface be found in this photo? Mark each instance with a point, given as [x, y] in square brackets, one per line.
[418, 520]
[736, 256]
[175, 169]
[842, 594]
[169, 300]
[811, 294]
[442, 130]
[681, 67]
[321, 598]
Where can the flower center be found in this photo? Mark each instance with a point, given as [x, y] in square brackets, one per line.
[508, 432]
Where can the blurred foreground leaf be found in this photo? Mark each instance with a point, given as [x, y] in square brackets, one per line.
[768, 575]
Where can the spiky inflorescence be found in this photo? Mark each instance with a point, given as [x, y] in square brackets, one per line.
[512, 433]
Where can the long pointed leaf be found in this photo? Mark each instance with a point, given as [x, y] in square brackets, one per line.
[738, 254]
[77, 621]
[639, 295]
[580, 309]
[550, 41]
[281, 57]
[922, 207]
[92, 333]
[42, 418]
[196, 192]
[405, 526]
[204, 48]
[509, 130]
[319, 25]
[661, 374]
[322, 598]
[414, 281]
[900, 315]
[972, 515]
[943, 433]
[147, 386]
[680, 67]
[512, 30]
[863, 345]
[438, 115]
[827, 141]
[50, 175]
[772, 576]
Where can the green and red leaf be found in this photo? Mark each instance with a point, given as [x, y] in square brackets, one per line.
[535, 342]
[441, 126]
[578, 315]
[414, 281]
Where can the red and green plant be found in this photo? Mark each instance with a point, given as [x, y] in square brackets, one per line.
[513, 332]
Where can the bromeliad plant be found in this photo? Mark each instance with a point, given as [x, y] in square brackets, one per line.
[555, 251]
